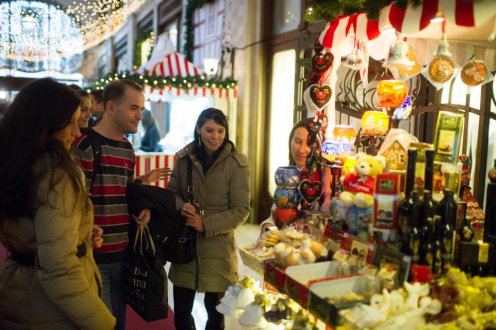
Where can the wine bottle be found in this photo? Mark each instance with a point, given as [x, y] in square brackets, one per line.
[427, 211]
[447, 211]
[427, 247]
[429, 169]
[438, 246]
[405, 206]
[411, 239]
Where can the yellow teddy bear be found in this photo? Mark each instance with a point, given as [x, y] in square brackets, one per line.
[360, 185]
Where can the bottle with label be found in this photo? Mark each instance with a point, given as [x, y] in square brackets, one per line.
[437, 266]
[406, 205]
[427, 247]
[447, 211]
[411, 239]
[428, 209]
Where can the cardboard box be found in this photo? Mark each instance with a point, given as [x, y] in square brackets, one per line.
[328, 312]
[298, 278]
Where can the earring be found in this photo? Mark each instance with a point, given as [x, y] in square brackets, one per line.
[199, 142]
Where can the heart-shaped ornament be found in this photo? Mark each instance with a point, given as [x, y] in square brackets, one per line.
[320, 95]
[310, 191]
[322, 62]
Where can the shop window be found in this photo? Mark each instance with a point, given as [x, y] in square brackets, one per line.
[281, 110]
[171, 29]
[287, 15]
[121, 54]
[472, 140]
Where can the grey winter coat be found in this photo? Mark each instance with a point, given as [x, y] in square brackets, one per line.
[224, 193]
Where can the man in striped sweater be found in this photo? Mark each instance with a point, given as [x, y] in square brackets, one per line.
[124, 101]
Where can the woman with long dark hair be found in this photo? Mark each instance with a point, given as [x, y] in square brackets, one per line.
[220, 203]
[50, 280]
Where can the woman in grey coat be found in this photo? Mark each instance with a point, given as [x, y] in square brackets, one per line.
[220, 178]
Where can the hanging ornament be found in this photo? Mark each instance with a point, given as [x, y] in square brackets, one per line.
[404, 111]
[475, 72]
[356, 59]
[316, 97]
[397, 57]
[405, 73]
[442, 68]
[391, 93]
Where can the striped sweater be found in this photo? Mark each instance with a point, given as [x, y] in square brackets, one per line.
[109, 191]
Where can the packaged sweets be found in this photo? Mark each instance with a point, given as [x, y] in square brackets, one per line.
[448, 136]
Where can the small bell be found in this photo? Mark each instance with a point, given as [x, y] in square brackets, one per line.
[397, 57]
[356, 60]
[443, 47]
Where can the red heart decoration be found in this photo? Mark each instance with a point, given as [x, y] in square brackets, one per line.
[310, 191]
[320, 95]
[321, 63]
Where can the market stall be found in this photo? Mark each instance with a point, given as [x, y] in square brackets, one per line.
[401, 242]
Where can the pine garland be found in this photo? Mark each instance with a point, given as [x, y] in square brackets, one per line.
[137, 48]
[189, 34]
[160, 82]
[327, 10]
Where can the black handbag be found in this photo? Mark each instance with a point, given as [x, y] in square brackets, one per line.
[145, 286]
[180, 247]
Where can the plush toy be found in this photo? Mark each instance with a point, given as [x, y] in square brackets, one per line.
[359, 186]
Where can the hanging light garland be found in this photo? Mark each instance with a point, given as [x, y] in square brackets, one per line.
[161, 82]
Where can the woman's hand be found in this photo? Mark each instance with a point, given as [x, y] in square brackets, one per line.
[193, 219]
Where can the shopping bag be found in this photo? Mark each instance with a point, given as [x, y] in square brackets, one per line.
[145, 288]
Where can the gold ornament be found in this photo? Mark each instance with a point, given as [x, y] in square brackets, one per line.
[441, 69]
[474, 72]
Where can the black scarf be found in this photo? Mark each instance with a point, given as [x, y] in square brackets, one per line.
[206, 161]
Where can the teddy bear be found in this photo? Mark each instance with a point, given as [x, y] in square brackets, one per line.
[360, 185]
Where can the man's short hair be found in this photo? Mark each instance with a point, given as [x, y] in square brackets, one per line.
[116, 89]
[97, 94]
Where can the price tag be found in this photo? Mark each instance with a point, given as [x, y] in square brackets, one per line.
[483, 252]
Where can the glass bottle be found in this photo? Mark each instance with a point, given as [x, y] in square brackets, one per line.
[405, 206]
[428, 209]
[427, 247]
[429, 169]
[437, 266]
[411, 239]
[447, 211]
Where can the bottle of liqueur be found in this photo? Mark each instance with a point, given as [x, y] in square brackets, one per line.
[447, 211]
[427, 247]
[411, 239]
[438, 246]
[429, 169]
[427, 211]
[406, 205]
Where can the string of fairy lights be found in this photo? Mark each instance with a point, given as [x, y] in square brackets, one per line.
[35, 31]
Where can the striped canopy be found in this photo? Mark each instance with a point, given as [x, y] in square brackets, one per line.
[172, 64]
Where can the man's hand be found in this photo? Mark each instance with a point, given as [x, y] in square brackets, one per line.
[96, 236]
[155, 175]
[143, 217]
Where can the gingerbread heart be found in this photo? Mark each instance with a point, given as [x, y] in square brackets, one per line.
[313, 77]
[310, 191]
[320, 95]
[321, 63]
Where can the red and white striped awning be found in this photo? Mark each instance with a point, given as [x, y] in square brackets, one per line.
[174, 64]
[461, 15]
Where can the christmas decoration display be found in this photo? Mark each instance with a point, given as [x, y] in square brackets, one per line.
[475, 72]
[286, 195]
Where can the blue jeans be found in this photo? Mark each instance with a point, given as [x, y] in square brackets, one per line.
[113, 291]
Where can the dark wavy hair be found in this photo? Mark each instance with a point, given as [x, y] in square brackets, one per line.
[216, 115]
[302, 123]
[26, 133]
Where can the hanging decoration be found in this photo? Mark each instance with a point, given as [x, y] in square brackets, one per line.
[475, 72]
[397, 58]
[165, 83]
[442, 68]
[406, 73]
